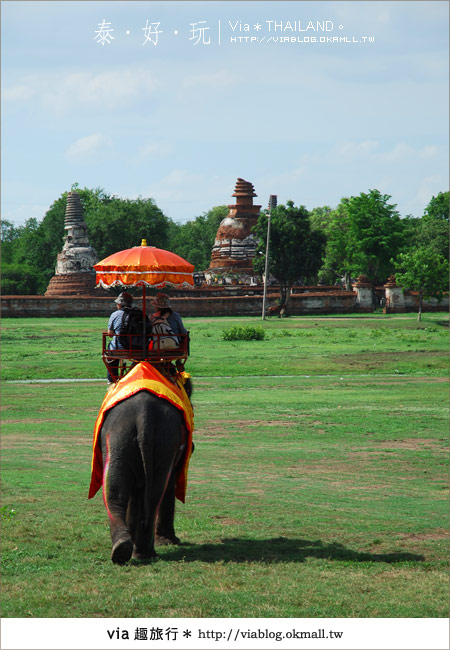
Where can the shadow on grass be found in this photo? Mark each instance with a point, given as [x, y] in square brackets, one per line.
[278, 549]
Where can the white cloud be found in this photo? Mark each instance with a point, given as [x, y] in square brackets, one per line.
[429, 152]
[177, 184]
[211, 80]
[154, 149]
[60, 93]
[400, 152]
[286, 179]
[191, 193]
[358, 149]
[404, 152]
[89, 147]
[21, 92]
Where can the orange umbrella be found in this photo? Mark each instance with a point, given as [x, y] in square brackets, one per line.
[144, 266]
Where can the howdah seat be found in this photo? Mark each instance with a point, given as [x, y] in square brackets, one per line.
[156, 355]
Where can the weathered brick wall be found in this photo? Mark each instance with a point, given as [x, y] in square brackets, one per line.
[429, 304]
[311, 303]
[314, 302]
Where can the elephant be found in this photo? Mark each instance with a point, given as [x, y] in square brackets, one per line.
[143, 442]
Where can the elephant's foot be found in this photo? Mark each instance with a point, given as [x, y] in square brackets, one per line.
[165, 540]
[144, 555]
[122, 551]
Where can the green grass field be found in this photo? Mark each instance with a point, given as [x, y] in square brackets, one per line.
[318, 488]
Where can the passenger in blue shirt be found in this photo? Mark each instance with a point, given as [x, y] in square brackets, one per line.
[124, 299]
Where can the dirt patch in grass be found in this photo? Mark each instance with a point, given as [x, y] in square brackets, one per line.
[217, 428]
[30, 420]
[265, 423]
[413, 444]
[12, 441]
[432, 535]
[227, 521]
[210, 432]
[377, 358]
[243, 424]
[62, 351]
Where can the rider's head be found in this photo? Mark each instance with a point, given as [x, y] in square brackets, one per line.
[162, 301]
[124, 299]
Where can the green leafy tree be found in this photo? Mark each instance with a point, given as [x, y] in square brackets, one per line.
[423, 270]
[113, 224]
[434, 226]
[295, 250]
[363, 235]
[20, 280]
[20, 248]
[194, 239]
[319, 218]
[37, 244]
[9, 235]
[338, 254]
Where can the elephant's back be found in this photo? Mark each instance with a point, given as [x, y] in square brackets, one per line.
[144, 414]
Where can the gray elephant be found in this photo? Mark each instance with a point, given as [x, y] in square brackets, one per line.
[144, 440]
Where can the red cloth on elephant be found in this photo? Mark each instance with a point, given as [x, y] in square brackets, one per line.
[143, 377]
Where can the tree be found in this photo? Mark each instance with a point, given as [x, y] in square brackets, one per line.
[423, 270]
[295, 250]
[363, 235]
[438, 207]
[434, 226]
[113, 224]
[20, 280]
[338, 253]
[194, 240]
[320, 217]
[9, 235]
[37, 244]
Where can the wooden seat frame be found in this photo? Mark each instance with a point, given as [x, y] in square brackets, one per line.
[155, 356]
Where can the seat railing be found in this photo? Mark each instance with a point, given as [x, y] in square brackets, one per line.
[155, 350]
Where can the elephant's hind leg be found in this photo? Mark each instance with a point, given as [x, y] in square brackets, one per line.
[140, 530]
[116, 494]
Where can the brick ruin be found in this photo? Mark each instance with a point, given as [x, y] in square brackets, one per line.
[231, 288]
[74, 275]
[235, 244]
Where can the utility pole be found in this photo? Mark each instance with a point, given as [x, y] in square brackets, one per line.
[272, 205]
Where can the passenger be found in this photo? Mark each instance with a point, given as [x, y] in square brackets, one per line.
[124, 299]
[166, 321]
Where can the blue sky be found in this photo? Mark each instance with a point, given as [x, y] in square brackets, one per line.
[170, 116]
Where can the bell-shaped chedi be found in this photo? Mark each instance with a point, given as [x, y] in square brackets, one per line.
[74, 274]
[235, 244]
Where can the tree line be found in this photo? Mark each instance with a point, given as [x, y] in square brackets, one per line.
[29, 252]
[363, 235]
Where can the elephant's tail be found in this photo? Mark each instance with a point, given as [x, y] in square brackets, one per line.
[145, 444]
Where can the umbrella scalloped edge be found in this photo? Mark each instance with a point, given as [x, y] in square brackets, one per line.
[159, 285]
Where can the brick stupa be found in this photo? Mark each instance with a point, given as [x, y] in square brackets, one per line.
[235, 244]
[74, 275]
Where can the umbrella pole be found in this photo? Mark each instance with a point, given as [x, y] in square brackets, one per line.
[144, 339]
